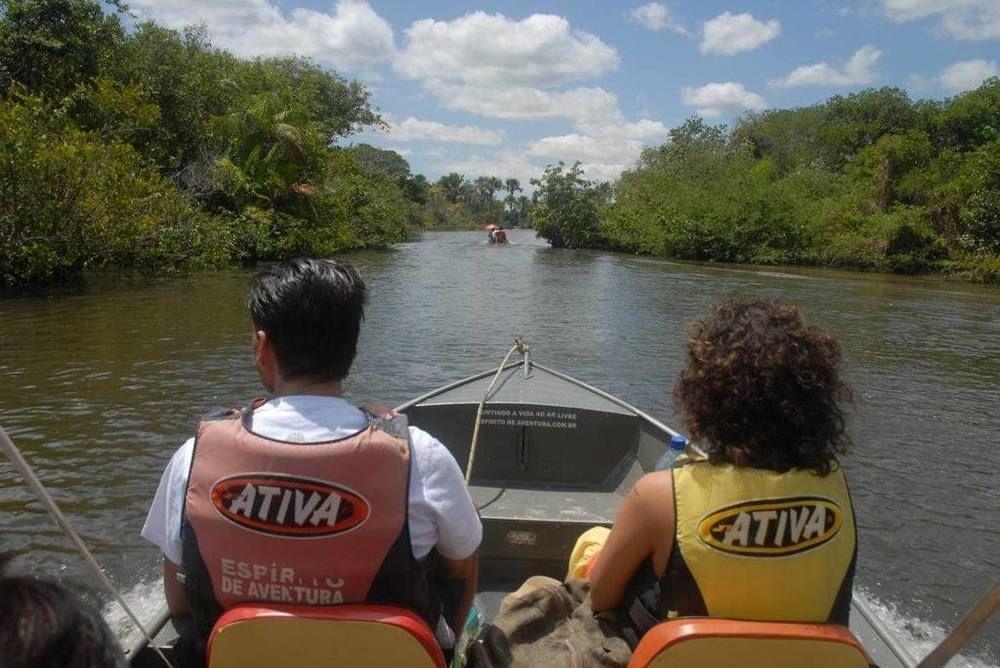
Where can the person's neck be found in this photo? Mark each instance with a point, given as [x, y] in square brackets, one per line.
[287, 387]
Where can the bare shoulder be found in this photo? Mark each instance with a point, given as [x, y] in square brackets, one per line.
[655, 487]
[654, 495]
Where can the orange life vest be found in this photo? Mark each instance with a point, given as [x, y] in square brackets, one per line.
[300, 523]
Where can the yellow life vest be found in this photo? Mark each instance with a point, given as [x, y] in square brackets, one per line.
[764, 545]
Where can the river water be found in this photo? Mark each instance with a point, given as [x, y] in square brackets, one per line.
[99, 385]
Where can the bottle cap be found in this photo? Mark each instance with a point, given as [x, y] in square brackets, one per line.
[677, 442]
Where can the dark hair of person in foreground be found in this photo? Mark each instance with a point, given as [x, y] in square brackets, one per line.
[44, 624]
[761, 388]
[311, 310]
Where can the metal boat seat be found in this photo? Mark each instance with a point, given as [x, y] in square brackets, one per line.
[729, 643]
[379, 636]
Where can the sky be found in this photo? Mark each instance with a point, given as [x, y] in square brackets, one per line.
[505, 88]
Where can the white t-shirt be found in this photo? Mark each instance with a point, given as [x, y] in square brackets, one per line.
[442, 514]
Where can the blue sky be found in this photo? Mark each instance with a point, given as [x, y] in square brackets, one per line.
[504, 88]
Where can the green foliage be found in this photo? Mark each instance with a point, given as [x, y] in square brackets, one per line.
[565, 207]
[60, 215]
[150, 149]
[373, 160]
[868, 181]
[50, 46]
[456, 203]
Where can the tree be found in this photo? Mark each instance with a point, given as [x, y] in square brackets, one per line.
[981, 215]
[417, 189]
[72, 201]
[274, 153]
[565, 207]
[374, 160]
[970, 119]
[486, 187]
[512, 186]
[51, 46]
[451, 185]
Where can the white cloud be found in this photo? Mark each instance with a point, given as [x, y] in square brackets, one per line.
[961, 19]
[491, 50]
[411, 128]
[574, 146]
[497, 67]
[523, 168]
[920, 84]
[728, 34]
[505, 164]
[602, 171]
[353, 36]
[715, 99]
[641, 130]
[858, 70]
[656, 16]
[604, 150]
[524, 103]
[967, 74]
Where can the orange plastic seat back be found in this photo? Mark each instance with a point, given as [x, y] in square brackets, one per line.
[728, 643]
[252, 636]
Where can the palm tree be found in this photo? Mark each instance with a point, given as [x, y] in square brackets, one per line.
[451, 184]
[511, 186]
[268, 156]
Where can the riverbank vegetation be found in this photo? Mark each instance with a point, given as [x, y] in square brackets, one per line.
[871, 181]
[147, 148]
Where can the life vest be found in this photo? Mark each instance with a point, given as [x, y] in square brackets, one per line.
[300, 523]
[752, 544]
[501, 237]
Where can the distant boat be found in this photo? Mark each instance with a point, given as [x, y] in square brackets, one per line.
[496, 234]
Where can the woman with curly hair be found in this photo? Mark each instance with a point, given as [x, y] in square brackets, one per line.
[761, 527]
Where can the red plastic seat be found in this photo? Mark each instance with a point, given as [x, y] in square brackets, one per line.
[258, 636]
[725, 643]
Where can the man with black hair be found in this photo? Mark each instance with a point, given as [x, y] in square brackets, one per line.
[304, 499]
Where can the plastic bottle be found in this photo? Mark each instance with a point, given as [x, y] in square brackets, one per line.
[674, 450]
[473, 621]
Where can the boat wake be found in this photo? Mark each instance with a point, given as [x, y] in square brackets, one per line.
[145, 598]
[918, 636]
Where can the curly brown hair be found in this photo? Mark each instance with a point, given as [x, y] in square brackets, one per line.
[761, 388]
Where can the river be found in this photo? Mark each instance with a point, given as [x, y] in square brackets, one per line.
[100, 384]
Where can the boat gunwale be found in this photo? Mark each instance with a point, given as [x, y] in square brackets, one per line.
[570, 379]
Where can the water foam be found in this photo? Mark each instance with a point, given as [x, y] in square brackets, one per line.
[145, 598]
[919, 636]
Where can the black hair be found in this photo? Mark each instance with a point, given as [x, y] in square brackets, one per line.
[44, 624]
[311, 310]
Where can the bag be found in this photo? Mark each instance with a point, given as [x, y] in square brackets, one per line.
[549, 623]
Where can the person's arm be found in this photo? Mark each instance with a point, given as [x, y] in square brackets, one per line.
[174, 590]
[644, 525]
[458, 529]
[163, 522]
[466, 570]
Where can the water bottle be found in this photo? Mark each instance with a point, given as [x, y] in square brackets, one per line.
[674, 450]
[473, 621]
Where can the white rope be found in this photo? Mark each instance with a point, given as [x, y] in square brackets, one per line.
[519, 346]
[42, 494]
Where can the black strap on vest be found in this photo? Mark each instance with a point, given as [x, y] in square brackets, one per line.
[402, 580]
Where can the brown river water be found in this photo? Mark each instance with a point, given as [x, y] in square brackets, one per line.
[99, 385]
